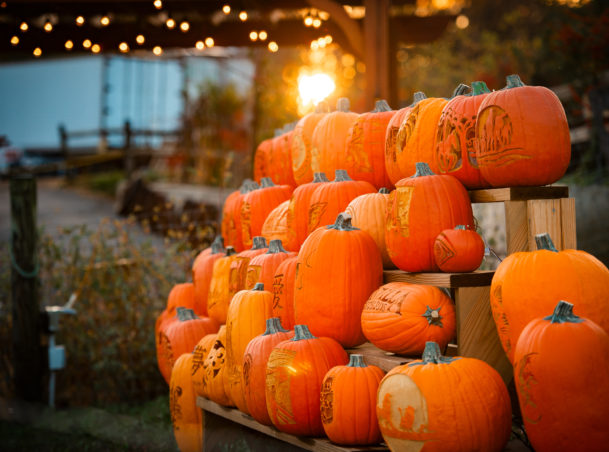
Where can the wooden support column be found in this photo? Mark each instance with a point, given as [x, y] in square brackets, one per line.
[376, 50]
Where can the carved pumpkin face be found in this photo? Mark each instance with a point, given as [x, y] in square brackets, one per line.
[214, 368]
[198, 359]
[391, 134]
[185, 414]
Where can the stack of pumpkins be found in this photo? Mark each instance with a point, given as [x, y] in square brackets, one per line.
[308, 255]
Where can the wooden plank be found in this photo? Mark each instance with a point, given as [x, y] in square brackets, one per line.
[380, 358]
[451, 280]
[544, 216]
[516, 226]
[567, 222]
[519, 193]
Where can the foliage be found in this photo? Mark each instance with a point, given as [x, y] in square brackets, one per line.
[103, 182]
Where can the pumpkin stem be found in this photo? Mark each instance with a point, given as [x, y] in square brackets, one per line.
[460, 227]
[343, 223]
[544, 242]
[563, 313]
[356, 361]
[381, 106]
[418, 97]
[259, 242]
[244, 184]
[460, 90]
[217, 246]
[433, 316]
[384, 191]
[266, 182]
[259, 287]
[432, 354]
[302, 332]
[513, 81]
[343, 104]
[273, 325]
[185, 314]
[320, 177]
[322, 107]
[341, 175]
[423, 169]
[275, 246]
[479, 88]
[230, 251]
[250, 185]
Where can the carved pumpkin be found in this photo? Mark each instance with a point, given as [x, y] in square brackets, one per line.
[339, 266]
[458, 250]
[245, 320]
[275, 226]
[526, 286]
[522, 136]
[185, 414]
[561, 370]
[262, 267]
[283, 291]
[369, 213]
[262, 160]
[257, 204]
[294, 373]
[255, 359]
[280, 167]
[238, 267]
[400, 317]
[441, 403]
[219, 287]
[231, 216]
[329, 139]
[214, 368]
[199, 355]
[202, 269]
[302, 143]
[366, 146]
[328, 200]
[347, 390]
[420, 208]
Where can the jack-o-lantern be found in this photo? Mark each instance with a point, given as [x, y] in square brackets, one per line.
[214, 368]
[458, 250]
[302, 144]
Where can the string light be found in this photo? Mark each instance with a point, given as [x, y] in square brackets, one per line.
[226, 9]
[170, 23]
[314, 45]
[273, 47]
[253, 35]
[95, 48]
[105, 21]
[209, 42]
[48, 26]
[123, 47]
[140, 39]
[243, 16]
[184, 26]
[157, 50]
[86, 43]
[263, 35]
[308, 21]
[328, 39]
[37, 52]
[158, 4]
[199, 45]
[80, 21]
[462, 21]
[69, 45]
[317, 22]
[24, 26]
[15, 40]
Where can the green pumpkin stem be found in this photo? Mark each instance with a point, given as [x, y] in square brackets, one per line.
[302, 332]
[433, 316]
[418, 97]
[320, 177]
[460, 227]
[259, 287]
[273, 326]
[322, 107]
[356, 361]
[563, 313]
[460, 90]
[276, 246]
[185, 314]
[544, 242]
[251, 185]
[343, 105]
[381, 106]
[384, 191]
[266, 182]
[513, 81]
[432, 354]
[343, 223]
[479, 87]
[341, 175]
[423, 169]
[217, 246]
[258, 242]
[230, 251]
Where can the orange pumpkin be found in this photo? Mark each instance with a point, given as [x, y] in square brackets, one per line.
[339, 266]
[347, 390]
[238, 267]
[214, 368]
[302, 142]
[283, 291]
[458, 250]
[186, 416]
[262, 160]
[231, 216]
[365, 146]
[275, 226]
[526, 286]
[522, 136]
[420, 208]
[294, 373]
[400, 318]
[219, 288]
[329, 139]
[561, 370]
[262, 267]
[199, 355]
[439, 403]
[255, 359]
[280, 167]
[202, 269]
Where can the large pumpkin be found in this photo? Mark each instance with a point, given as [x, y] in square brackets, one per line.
[401, 317]
[444, 404]
[561, 370]
[420, 208]
[302, 143]
[283, 291]
[231, 216]
[345, 391]
[185, 414]
[238, 267]
[275, 226]
[280, 166]
[294, 373]
[527, 285]
[199, 355]
[214, 368]
[202, 270]
[339, 266]
[458, 250]
[255, 359]
[262, 160]
[522, 136]
[365, 146]
[262, 267]
[219, 288]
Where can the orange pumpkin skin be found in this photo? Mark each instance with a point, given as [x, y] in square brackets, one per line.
[455, 141]
[283, 291]
[339, 266]
[302, 143]
[347, 390]
[329, 139]
[228, 222]
[440, 404]
[561, 365]
[219, 287]
[280, 167]
[246, 319]
[185, 414]
[522, 136]
[365, 146]
[458, 250]
[275, 226]
[391, 166]
[400, 317]
[294, 373]
[214, 368]
[238, 267]
[526, 286]
[255, 359]
[330, 199]
[257, 205]
[412, 226]
[262, 267]
[231, 217]
[369, 213]
[202, 269]
[262, 160]
[199, 354]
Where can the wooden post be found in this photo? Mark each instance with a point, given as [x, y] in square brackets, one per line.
[63, 144]
[26, 328]
[128, 150]
[376, 42]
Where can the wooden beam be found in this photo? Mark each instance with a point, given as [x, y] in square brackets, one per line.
[376, 37]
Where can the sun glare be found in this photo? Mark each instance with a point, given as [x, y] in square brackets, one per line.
[315, 88]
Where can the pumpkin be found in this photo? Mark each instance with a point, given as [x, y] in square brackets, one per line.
[329, 139]
[522, 136]
[369, 213]
[328, 200]
[458, 250]
[345, 391]
[219, 293]
[275, 226]
[202, 269]
[262, 267]
[280, 165]
[283, 291]
[561, 370]
[199, 354]
[302, 142]
[339, 266]
[444, 404]
[527, 284]
[298, 212]
[401, 317]
[214, 368]
[255, 359]
[294, 373]
[455, 140]
[257, 204]
[365, 148]
[420, 208]
[231, 216]
[186, 417]
[238, 267]
[262, 160]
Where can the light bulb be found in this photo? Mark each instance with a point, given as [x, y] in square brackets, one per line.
[170, 23]
[226, 9]
[199, 45]
[140, 39]
[273, 47]
[105, 21]
[80, 20]
[24, 26]
[157, 50]
[95, 48]
[37, 52]
[243, 16]
[123, 47]
[184, 26]
[69, 45]
[263, 35]
[209, 42]
[48, 26]
[158, 4]
[253, 35]
[86, 43]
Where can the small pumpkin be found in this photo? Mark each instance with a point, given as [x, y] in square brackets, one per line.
[302, 143]
[199, 355]
[283, 291]
[186, 416]
[219, 288]
[275, 226]
[214, 368]
[202, 270]
[238, 267]
[458, 250]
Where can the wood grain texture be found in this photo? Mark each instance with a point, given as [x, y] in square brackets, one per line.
[516, 226]
[450, 280]
[567, 221]
[544, 216]
[380, 358]
[519, 193]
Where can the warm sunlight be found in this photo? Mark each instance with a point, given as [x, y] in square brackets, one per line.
[315, 87]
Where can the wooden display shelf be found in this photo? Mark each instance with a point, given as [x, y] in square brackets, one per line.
[379, 358]
[519, 193]
[479, 278]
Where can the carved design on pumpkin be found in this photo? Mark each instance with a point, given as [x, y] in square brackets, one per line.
[525, 380]
[449, 149]
[395, 307]
[216, 362]
[357, 158]
[495, 131]
[315, 213]
[175, 408]
[407, 128]
[390, 142]
[411, 422]
[501, 320]
[446, 252]
[247, 365]
[198, 357]
[278, 383]
[253, 275]
[404, 198]
[246, 219]
[277, 290]
[327, 401]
